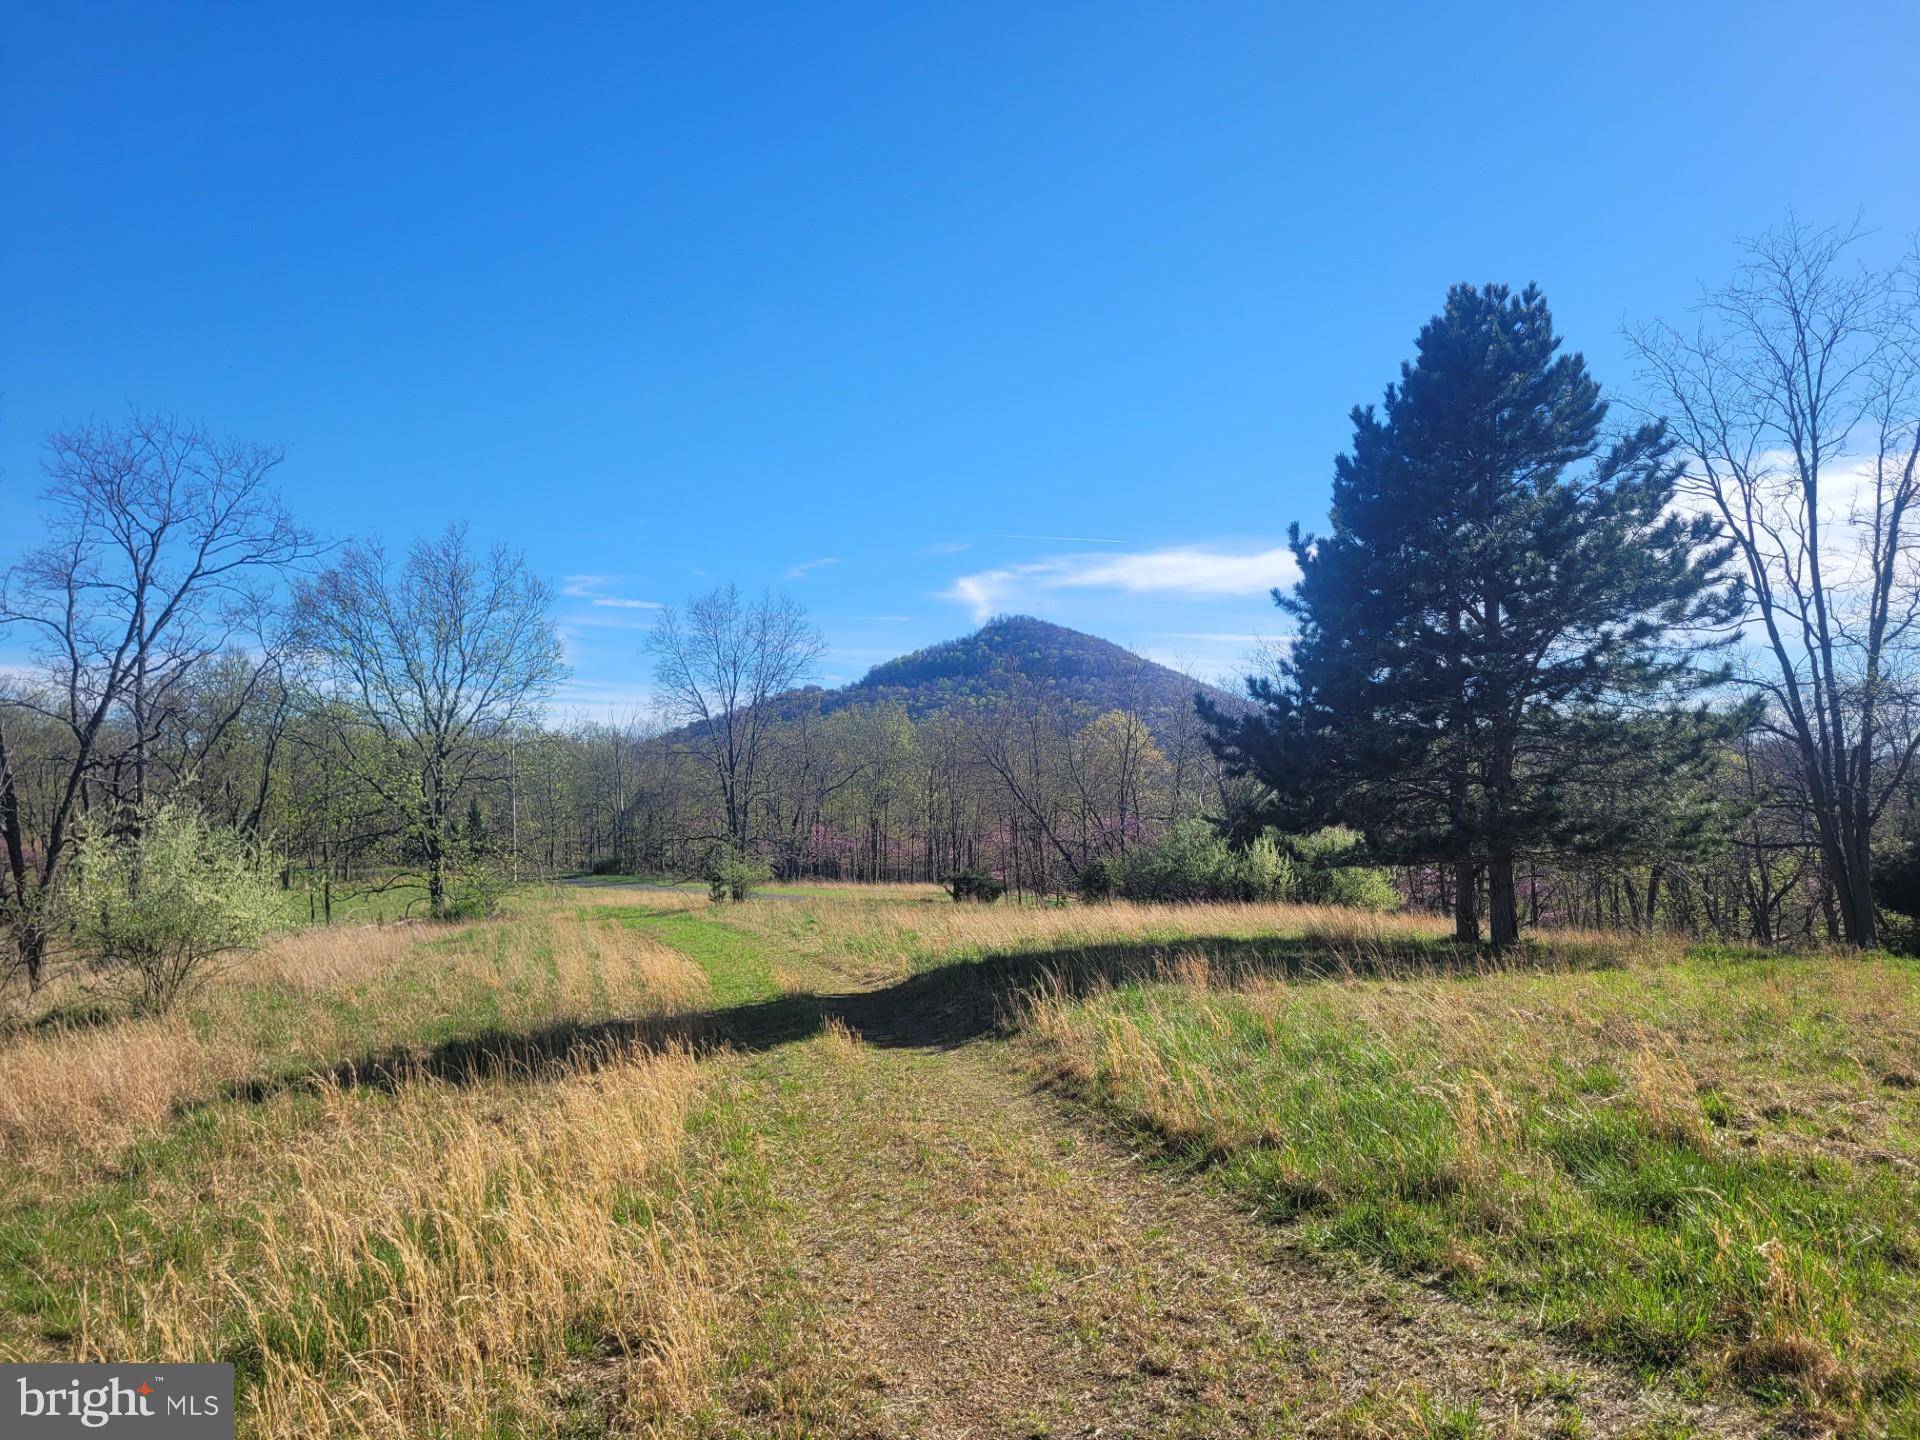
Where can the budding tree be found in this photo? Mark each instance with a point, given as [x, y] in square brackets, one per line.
[718, 666]
[424, 668]
[1796, 395]
[162, 537]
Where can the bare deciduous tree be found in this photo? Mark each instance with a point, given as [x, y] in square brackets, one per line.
[718, 666]
[437, 661]
[161, 534]
[1798, 396]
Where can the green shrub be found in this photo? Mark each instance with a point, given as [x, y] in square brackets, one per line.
[975, 885]
[157, 907]
[1267, 871]
[1101, 880]
[475, 891]
[1193, 862]
[1189, 862]
[1896, 890]
[734, 876]
[1328, 872]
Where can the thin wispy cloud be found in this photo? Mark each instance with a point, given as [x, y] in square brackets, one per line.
[613, 617]
[1215, 637]
[593, 589]
[1187, 571]
[805, 567]
[946, 547]
[1066, 539]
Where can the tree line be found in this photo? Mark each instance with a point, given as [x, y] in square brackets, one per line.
[1555, 660]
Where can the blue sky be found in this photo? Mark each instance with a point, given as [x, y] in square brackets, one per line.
[917, 311]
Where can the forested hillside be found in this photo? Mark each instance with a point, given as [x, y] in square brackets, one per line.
[1016, 658]
[1024, 746]
[1018, 651]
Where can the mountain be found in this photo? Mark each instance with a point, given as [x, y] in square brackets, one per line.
[996, 658]
[1016, 655]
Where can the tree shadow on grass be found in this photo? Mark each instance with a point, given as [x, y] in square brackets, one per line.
[943, 1007]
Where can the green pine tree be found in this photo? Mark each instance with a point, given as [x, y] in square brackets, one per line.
[1499, 591]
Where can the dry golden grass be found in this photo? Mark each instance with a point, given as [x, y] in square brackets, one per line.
[1834, 1037]
[894, 891]
[900, 937]
[72, 1094]
[331, 957]
[386, 1244]
[428, 1262]
[390, 1246]
[86, 1091]
[874, 941]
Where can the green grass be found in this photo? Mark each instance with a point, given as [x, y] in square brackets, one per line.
[375, 900]
[775, 890]
[1702, 1166]
[738, 969]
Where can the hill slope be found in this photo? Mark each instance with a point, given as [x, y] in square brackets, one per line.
[1013, 653]
[1011, 657]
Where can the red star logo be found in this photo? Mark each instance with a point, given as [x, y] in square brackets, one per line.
[145, 1389]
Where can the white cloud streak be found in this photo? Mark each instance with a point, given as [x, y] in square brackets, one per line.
[1188, 572]
[593, 589]
[1216, 637]
[609, 619]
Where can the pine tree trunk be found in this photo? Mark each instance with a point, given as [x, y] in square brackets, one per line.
[1503, 904]
[1466, 903]
[1503, 907]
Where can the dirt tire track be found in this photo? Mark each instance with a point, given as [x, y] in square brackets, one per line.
[987, 1262]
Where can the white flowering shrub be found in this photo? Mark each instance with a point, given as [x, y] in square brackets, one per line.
[156, 908]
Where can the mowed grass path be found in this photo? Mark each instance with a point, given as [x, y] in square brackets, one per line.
[1696, 1164]
[737, 967]
[627, 1164]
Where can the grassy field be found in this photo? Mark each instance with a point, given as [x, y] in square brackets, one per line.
[861, 1162]
[1704, 1164]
